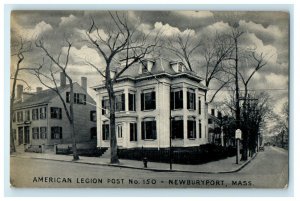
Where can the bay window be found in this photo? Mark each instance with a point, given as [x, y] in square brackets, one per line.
[177, 128]
[149, 129]
[176, 99]
[148, 100]
[191, 128]
[191, 102]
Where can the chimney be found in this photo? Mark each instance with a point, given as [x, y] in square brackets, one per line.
[62, 79]
[39, 89]
[19, 92]
[84, 83]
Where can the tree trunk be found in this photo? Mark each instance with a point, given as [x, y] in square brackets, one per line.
[71, 120]
[112, 124]
[12, 100]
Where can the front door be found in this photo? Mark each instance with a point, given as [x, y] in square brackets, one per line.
[20, 135]
[27, 135]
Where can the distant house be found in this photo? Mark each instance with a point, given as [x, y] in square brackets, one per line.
[146, 95]
[215, 126]
[40, 119]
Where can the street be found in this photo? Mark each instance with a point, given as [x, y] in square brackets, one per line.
[268, 170]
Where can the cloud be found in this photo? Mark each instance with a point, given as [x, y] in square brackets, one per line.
[217, 27]
[196, 14]
[165, 30]
[67, 20]
[83, 54]
[94, 35]
[277, 81]
[251, 42]
[32, 33]
[270, 33]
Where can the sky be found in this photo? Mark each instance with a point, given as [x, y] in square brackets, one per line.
[268, 32]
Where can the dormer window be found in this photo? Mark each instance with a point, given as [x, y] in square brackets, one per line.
[178, 67]
[146, 66]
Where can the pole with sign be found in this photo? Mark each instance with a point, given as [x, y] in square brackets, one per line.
[238, 136]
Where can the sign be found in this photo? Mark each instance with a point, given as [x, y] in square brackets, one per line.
[238, 134]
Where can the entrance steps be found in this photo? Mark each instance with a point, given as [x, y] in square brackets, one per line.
[106, 154]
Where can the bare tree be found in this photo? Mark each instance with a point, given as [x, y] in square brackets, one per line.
[122, 44]
[216, 51]
[48, 79]
[183, 46]
[20, 48]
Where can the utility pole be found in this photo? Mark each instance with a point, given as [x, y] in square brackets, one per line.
[237, 99]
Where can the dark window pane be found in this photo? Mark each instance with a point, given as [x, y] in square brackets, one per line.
[68, 97]
[177, 129]
[131, 102]
[191, 129]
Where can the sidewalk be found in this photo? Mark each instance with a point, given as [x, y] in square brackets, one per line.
[227, 165]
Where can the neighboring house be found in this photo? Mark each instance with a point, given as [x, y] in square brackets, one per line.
[40, 119]
[145, 94]
[215, 135]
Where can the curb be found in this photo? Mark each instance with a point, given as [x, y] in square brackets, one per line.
[139, 168]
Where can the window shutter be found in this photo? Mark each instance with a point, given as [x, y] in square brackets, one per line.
[142, 101]
[68, 97]
[194, 101]
[188, 100]
[123, 102]
[199, 106]
[102, 106]
[84, 99]
[60, 113]
[135, 131]
[52, 132]
[172, 100]
[143, 130]
[60, 132]
[153, 99]
[154, 136]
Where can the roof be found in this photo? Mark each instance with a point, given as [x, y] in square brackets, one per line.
[38, 98]
[161, 67]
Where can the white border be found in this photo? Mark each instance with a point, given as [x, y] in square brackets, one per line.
[114, 4]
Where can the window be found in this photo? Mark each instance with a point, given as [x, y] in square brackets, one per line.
[219, 115]
[78, 98]
[120, 102]
[43, 113]
[14, 133]
[56, 132]
[20, 116]
[14, 117]
[93, 133]
[105, 106]
[199, 106]
[27, 115]
[149, 129]
[209, 121]
[55, 113]
[213, 112]
[133, 132]
[20, 135]
[35, 133]
[200, 129]
[105, 131]
[177, 128]
[148, 100]
[81, 98]
[43, 132]
[131, 102]
[35, 114]
[191, 128]
[119, 131]
[177, 99]
[191, 102]
[93, 116]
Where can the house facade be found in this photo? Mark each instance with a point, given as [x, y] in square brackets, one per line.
[215, 133]
[147, 95]
[40, 119]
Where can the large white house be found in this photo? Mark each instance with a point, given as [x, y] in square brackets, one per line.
[145, 95]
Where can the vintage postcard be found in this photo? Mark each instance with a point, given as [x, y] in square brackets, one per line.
[149, 99]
